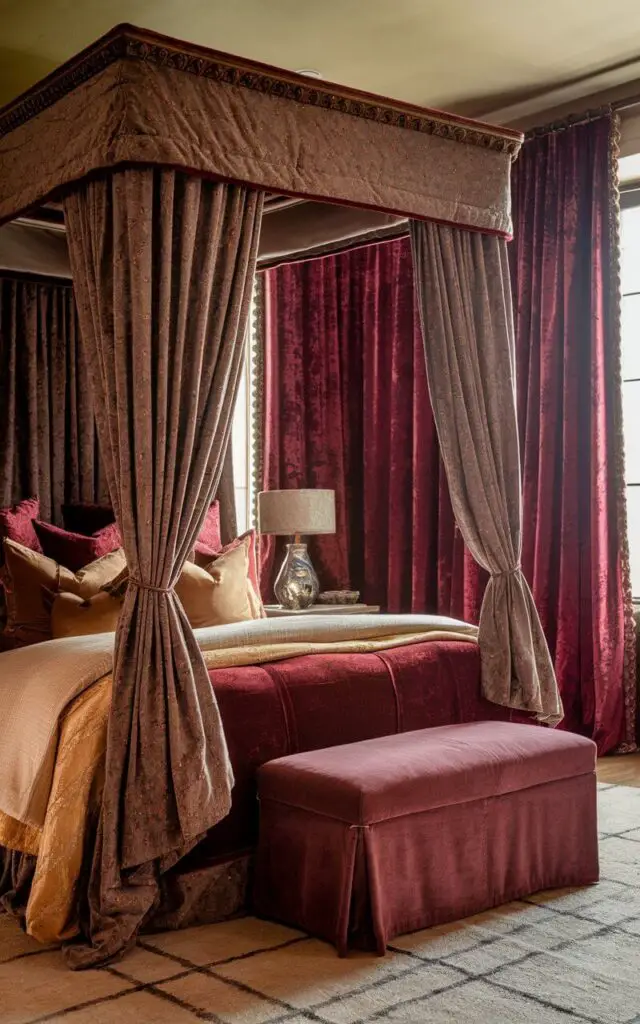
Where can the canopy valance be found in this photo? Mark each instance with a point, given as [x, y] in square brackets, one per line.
[135, 97]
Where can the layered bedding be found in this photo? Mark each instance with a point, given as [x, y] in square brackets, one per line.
[282, 686]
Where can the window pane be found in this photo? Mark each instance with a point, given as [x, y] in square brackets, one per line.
[629, 167]
[631, 414]
[633, 517]
[631, 336]
[630, 241]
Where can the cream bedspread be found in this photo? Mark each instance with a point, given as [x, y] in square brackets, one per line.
[54, 781]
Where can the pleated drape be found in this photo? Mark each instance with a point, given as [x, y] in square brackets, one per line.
[163, 265]
[464, 294]
[48, 441]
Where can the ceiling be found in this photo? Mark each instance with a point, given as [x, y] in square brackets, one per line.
[463, 55]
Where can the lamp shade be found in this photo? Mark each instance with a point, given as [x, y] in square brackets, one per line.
[305, 511]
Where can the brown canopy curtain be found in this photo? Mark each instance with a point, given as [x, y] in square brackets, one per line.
[161, 262]
[162, 265]
[464, 293]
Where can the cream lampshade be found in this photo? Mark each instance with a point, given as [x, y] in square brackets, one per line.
[297, 513]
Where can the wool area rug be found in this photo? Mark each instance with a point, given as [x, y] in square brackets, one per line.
[559, 957]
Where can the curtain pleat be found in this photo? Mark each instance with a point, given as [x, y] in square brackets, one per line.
[48, 440]
[163, 265]
[464, 293]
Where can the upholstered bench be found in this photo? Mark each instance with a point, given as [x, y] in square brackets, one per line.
[370, 840]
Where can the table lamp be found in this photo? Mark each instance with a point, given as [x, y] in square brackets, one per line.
[297, 513]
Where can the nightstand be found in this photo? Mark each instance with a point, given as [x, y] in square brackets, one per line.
[274, 611]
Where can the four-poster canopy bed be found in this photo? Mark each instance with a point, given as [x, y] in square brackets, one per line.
[161, 154]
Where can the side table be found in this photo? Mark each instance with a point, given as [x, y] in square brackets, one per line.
[275, 611]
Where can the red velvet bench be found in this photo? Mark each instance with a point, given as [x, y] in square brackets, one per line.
[363, 842]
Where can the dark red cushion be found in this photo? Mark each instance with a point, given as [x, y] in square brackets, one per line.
[209, 537]
[16, 523]
[85, 518]
[73, 550]
[418, 771]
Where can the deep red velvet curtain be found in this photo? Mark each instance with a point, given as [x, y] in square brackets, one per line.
[564, 275]
[347, 407]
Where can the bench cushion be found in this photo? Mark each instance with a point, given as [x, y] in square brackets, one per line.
[391, 776]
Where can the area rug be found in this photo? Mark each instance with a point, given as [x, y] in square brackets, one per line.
[560, 957]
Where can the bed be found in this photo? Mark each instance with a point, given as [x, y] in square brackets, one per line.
[162, 155]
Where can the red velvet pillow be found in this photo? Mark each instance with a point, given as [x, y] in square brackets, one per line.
[17, 524]
[74, 550]
[209, 537]
[85, 518]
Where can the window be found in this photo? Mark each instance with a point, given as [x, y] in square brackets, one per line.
[241, 431]
[630, 280]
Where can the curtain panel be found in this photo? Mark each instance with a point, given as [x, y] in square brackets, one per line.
[564, 263]
[163, 265]
[464, 294]
[48, 440]
[346, 406]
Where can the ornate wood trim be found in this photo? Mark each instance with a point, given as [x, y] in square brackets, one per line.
[130, 43]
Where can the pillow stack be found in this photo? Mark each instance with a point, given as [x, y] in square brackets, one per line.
[60, 583]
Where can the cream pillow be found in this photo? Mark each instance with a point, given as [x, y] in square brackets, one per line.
[218, 593]
[24, 575]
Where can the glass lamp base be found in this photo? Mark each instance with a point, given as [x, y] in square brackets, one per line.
[297, 585]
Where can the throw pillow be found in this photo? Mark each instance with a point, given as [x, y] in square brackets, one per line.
[73, 550]
[217, 594]
[16, 523]
[86, 518]
[72, 615]
[209, 537]
[204, 556]
[26, 572]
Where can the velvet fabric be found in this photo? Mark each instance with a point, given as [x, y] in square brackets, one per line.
[86, 517]
[48, 442]
[378, 779]
[464, 295]
[306, 703]
[74, 550]
[17, 524]
[391, 835]
[564, 261]
[338, 331]
[162, 266]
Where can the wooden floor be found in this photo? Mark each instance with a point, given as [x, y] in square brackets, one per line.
[624, 769]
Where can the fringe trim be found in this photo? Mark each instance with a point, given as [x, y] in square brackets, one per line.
[629, 684]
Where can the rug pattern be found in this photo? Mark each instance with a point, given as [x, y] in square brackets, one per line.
[560, 957]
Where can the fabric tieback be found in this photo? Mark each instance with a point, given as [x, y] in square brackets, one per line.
[147, 586]
[506, 572]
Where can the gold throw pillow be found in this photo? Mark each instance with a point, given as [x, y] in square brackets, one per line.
[24, 575]
[74, 616]
[219, 593]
